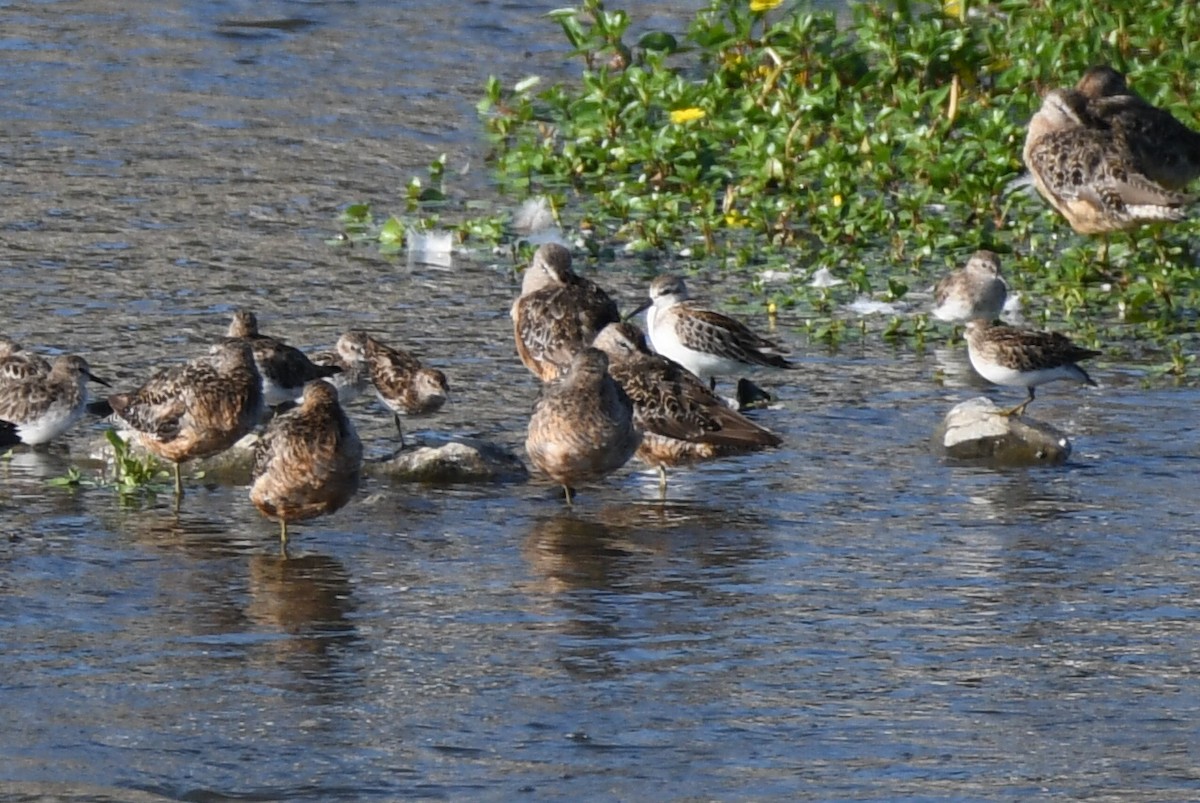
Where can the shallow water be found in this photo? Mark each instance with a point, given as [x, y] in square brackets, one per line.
[845, 618]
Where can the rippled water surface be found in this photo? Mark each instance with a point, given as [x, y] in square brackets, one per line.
[845, 618]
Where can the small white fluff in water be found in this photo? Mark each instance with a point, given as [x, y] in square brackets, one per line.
[824, 278]
[778, 275]
[865, 305]
[431, 247]
[534, 216]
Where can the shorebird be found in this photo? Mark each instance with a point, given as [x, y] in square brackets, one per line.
[582, 425]
[558, 312]
[18, 365]
[308, 461]
[350, 357]
[284, 369]
[1023, 358]
[974, 291]
[196, 409]
[44, 406]
[401, 382]
[705, 342]
[1088, 173]
[681, 419]
[1165, 150]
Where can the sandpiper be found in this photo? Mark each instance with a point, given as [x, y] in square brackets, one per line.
[350, 357]
[1088, 173]
[284, 369]
[582, 426]
[681, 419]
[18, 365]
[44, 406]
[308, 461]
[401, 382]
[1024, 358]
[974, 291]
[705, 342]
[196, 409]
[1164, 149]
[558, 312]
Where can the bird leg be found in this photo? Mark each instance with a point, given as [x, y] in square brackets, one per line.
[568, 493]
[283, 535]
[178, 482]
[1019, 410]
[662, 482]
[399, 428]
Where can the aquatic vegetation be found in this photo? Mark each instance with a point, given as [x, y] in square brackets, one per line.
[882, 147]
[134, 475]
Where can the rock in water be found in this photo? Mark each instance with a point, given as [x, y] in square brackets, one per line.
[974, 430]
[462, 461]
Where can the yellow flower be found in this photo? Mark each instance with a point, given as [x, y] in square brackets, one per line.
[837, 199]
[679, 116]
[764, 5]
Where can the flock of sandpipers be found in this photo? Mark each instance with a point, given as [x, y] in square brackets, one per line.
[1098, 153]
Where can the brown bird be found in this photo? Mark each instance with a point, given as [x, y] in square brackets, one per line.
[704, 341]
[401, 382]
[1024, 358]
[44, 406]
[284, 369]
[18, 365]
[1163, 149]
[681, 419]
[558, 313]
[350, 357]
[974, 291]
[582, 425]
[308, 461]
[1088, 173]
[196, 409]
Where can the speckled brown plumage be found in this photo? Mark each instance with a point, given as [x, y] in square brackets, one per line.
[308, 461]
[582, 426]
[706, 342]
[284, 369]
[558, 312]
[681, 419]
[196, 409]
[1163, 149]
[976, 290]
[403, 385]
[18, 365]
[44, 406]
[348, 355]
[1024, 358]
[1088, 173]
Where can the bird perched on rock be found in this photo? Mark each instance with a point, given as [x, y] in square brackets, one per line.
[196, 409]
[1088, 172]
[42, 406]
[558, 313]
[681, 419]
[308, 461]
[582, 426]
[401, 382]
[705, 342]
[1024, 358]
[284, 369]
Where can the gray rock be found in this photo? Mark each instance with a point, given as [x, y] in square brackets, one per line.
[232, 466]
[974, 430]
[461, 461]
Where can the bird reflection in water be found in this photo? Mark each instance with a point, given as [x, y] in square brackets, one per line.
[309, 599]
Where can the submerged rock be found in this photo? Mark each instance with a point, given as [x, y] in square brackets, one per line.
[974, 430]
[464, 460]
[232, 466]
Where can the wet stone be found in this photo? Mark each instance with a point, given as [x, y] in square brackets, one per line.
[459, 461]
[974, 430]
